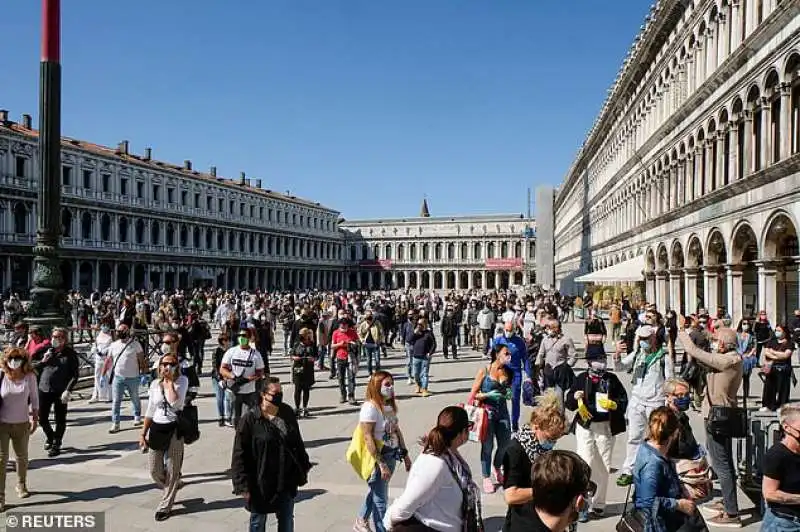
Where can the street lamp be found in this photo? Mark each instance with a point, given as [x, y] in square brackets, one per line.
[47, 303]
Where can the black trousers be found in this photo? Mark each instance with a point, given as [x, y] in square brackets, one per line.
[242, 401]
[449, 342]
[777, 387]
[52, 401]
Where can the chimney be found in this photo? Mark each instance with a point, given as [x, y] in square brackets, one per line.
[148, 154]
[258, 183]
[3, 116]
[187, 164]
[27, 121]
[122, 149]
[213, 171]
[242, 179]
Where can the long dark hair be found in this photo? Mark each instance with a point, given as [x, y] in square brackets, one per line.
[493, 357]
[452, 421]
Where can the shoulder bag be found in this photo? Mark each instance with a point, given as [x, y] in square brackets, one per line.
[235, 384]
[116, 359]
[470, 508]
[632, 521]
[188, 421]
[726, 421]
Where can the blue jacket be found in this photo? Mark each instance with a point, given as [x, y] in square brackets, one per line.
[518, 352]
[656, 490]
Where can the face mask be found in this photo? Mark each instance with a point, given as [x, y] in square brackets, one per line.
[56, 343]
[387, 392]
[105, 329]
[277, 398]
[745, 327]
[552, 333]
[166, 348]
[15, 363]
[122, 335]
[597, 366]
[779, 334]
[795, 436]
[682, 403]
[175, 325]
[714, 347]
[644, 344]
[547, 445]
[508, 334]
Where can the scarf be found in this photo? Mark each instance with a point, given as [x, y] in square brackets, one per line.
[527, 439]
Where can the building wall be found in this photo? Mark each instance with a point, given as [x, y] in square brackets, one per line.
[440, 253]
[693, 162]
[131, 222]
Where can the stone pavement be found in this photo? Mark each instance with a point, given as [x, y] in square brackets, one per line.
[104, 472]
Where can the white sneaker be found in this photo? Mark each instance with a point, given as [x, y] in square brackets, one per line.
[114, 428]
[411, 382]
[137, 422]
[763, 409]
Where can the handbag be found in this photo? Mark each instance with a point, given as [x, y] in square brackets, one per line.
[188, 425]
[479, 417]
[358, 456]
[727, 421]
[470, 509]
[630, 521]
[411, 525]
[160, 435]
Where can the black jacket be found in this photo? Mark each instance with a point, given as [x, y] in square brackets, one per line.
[57, 371]
[616, 392]
[265, 463]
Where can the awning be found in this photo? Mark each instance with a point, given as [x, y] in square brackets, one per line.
[628, 271]
[199, 273]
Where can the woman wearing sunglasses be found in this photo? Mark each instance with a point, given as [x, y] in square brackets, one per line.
[159, 436]
[19, 414]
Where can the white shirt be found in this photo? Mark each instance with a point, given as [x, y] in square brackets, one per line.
[385, 428]
[125, 353]
[156, 401]
[244, 363]
[432, 495]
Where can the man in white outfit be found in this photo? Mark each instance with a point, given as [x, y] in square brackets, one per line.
[652, 366]
[102, 391]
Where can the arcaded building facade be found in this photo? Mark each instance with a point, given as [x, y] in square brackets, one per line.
[131, 221]
[691, 172]
[440, 253]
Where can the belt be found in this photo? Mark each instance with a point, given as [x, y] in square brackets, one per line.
[788, 517]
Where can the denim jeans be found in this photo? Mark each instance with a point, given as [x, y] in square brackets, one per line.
[775, 523]
[370, 351]
[410, 362]
[720, 450]
[376, 501]
[285, 515]
[346, 372]
[323, 354]
[287, 335]
[118, 388]
[516, 398]
[499, 429]
[223, 396]
[419, 371]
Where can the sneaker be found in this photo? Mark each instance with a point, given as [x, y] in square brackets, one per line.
[361, 525]
[725, 520]
[353, 401]
[114, 428]
[48, 445]
[488, 486]
[55, 450]
[499, 477]
[583, 516]
[221, 422]
[597, 513]
[342, 400]
[624, 480]
[712, 509]
[411, 382]
[229, 423]
[426, 393]
[137, 422]
[93, 400]
[763, 409]
[22, 491]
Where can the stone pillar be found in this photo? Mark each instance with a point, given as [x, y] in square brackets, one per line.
[708, 172]
[734, 303]
[733, 152]
[76, 274]
[688, 178]
[722, 39]
[662, 292]
[711, 51]
[698, 171]
[719, 177]
[766, 138]
[736, 25]
[747, 152]
[675, 295]
[483, 280]
[786, 118]
[690, 289]
[115, 276]
[767, 289]
[711, 281]
[650, 287]
[470, 280]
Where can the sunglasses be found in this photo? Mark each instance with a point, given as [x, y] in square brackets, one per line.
[168, 342]
[170, 365]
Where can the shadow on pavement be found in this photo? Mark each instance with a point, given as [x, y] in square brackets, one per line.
[313, 444]
[68, 497]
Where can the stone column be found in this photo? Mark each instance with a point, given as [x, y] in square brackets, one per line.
[711, 280]
[650, 287]
[76, 274]
[766, 137]
[719, 179]
[722, 39]
[708, 172]
[733, 151]
[767, 289]
[747, 152]
[662, 291]
[734, 303]
[711, 51]
[483, 280]
[690, 289]
[675, 295]
[680, 183]
[786, 118]
[698, 171]
[115, 276]
[736, 25]
[688, 178]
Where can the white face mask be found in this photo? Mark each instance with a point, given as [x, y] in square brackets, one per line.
[166, 348]
[56, 343]
[15, 363]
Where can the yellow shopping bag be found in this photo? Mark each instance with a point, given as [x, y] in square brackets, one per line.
[359, 457]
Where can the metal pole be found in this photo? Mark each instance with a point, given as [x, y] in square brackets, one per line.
[47, 302]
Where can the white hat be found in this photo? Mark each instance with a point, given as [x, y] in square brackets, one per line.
[645, 331]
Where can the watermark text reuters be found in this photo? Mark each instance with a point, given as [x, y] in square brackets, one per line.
[56, 521]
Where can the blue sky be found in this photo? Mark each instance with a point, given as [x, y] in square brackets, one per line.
[362, 105]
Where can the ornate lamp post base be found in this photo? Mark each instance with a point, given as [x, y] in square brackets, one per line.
[47, 308]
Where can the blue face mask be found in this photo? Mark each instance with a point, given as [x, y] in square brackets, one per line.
[644, 344]
[547, 445]
[682, 403]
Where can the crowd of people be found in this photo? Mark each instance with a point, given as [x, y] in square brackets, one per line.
[677, 367]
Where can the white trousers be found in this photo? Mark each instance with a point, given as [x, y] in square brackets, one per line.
[638, 414]
[102, 391]
[595, 445]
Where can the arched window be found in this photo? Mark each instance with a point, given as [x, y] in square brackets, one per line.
[401, 251]
[426, 253]
[209, 238]
[353, 253]
[451, 251]
[231, 242]
[86, 226]
[105, 228]
[170, 234]
[155, 233]
[504, 250]
[66, 223]
[183, 237]
[387, 252]
[412, 252]
[123, 229]
[376, 251]
[196, 238]
[464, 251]
[220, 240]
[477, 252]
[490, 250]
[437, 252]
[139, 230]
[518, 250]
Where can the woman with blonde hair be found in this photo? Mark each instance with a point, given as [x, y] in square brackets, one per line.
[379, 423]
[19, 414]
[304, 355]
[546, 426]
